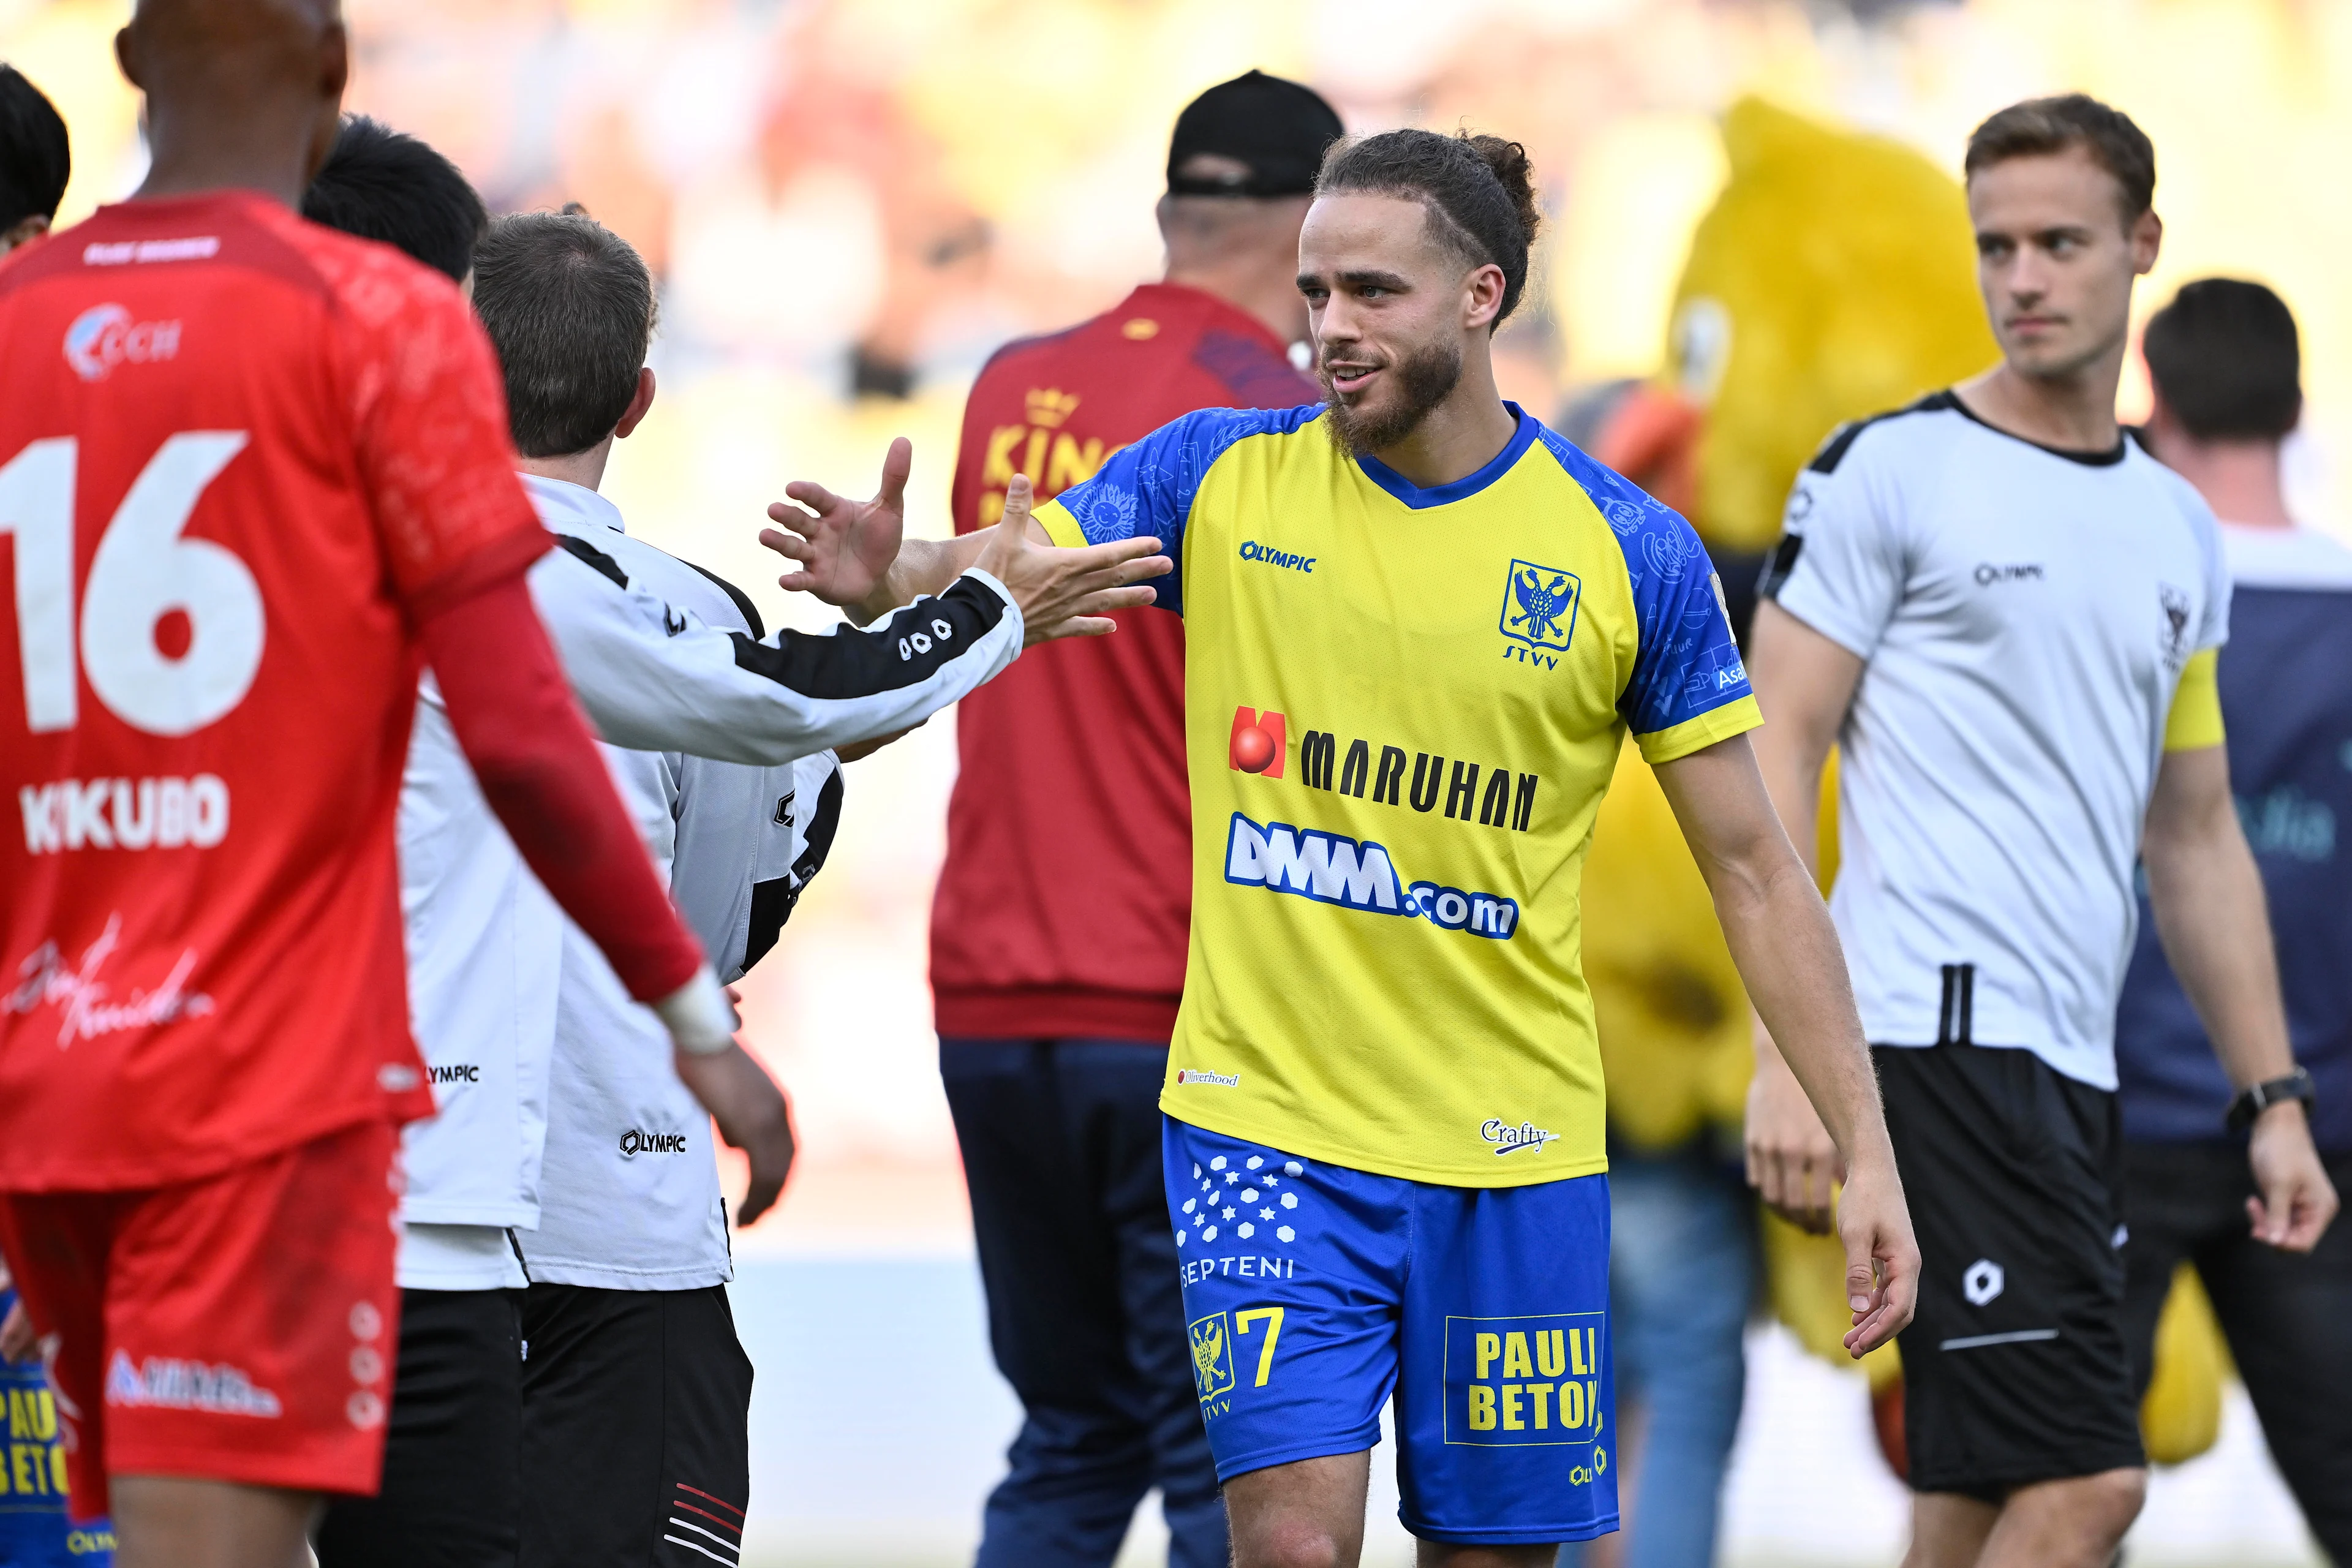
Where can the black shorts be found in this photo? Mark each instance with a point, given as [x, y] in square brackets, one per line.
[636, 1428]
[452, 1476]
[2014, 1370]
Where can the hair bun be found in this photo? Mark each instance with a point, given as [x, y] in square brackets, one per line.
[1515, 172]
[1477, 190]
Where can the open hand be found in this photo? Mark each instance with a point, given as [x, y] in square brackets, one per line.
[1067, 592]
[1791, 1162]
[844, 548]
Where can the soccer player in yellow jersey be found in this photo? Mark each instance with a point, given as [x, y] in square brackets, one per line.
[1420, 627]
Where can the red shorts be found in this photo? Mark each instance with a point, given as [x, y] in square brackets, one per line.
[241, 1327]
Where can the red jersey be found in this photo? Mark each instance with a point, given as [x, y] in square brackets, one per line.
[241, 458]
[1066, 897]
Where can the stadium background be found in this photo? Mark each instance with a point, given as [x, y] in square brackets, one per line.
[851, 202]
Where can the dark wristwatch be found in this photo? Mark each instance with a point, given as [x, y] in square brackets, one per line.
[2253, 1101]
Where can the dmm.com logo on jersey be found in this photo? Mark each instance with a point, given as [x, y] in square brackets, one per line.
[1333, 869]
[1524, 1382]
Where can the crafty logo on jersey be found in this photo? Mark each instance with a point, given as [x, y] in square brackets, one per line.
[634, 1143]
[164, 1384]
[1514, 1382]
[104, 336]
[1540, 608]
[124, 813]
[1510, 1140]
[1333, 869]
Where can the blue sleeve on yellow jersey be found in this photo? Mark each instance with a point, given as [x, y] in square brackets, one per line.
[1148, 487]
[1687, 662]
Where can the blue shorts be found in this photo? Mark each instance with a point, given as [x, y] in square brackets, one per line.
[1312, 1293]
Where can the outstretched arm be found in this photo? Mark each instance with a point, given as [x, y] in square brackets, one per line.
[1789, 958]
[1804, 682]
[658, 679]
[855, 555]
[2215, 925]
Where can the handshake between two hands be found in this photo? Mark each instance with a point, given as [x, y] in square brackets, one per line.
[855, 555]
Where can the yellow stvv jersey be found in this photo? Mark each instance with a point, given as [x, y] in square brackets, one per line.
[1402, 708]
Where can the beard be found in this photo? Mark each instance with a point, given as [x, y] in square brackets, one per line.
[1424, 379]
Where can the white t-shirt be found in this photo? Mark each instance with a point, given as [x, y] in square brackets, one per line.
[629, 1192]
[2024, 615]
[486, 944]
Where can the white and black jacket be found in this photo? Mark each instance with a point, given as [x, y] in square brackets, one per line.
[719, 738]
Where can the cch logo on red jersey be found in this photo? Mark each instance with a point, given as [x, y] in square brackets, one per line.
[1258, 743]
[105, 336]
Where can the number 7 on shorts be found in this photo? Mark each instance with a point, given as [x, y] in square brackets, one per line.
[1273, 1316]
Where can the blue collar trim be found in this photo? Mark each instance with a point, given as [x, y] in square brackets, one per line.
[1413, 496]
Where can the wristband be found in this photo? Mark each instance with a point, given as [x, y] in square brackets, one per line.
[2253, 1101]
[700, 1020]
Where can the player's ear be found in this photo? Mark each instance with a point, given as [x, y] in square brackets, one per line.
[2147, 239]
[334, 63]
[1481, 295]
[639, 404]
[126, 55]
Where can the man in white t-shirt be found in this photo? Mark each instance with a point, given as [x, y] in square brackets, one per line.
[559, 1136]
[636, 1391]
[2007, 618]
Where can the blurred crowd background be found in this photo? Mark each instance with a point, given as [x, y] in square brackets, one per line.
[849, 203]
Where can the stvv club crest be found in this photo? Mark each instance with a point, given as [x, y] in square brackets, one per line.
[1539, 605]
[1212, 1359]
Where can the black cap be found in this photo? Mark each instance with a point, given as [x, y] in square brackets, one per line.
[1279, 128]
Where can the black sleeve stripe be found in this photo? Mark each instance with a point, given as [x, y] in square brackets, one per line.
[772, 901]
[1841, 439]
[906, 650]
[823, 823]
[1779, 565]
[594, 557]
[1833, 450]
[750, 612]
[771, 906]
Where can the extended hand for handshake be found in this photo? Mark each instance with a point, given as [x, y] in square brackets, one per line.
[856, 554]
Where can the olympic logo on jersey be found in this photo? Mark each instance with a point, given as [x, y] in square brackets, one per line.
[1539, 605]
